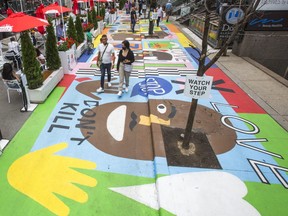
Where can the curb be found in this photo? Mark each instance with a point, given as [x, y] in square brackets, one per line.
[267, 71]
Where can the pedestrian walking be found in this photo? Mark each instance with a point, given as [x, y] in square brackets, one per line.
[140, 6]
[105, 60]
[133, 18]
[90, 45]
[144, 8]
[168, 10]
[124, 66]
[127, 7]
[159, 15]
[59, 31]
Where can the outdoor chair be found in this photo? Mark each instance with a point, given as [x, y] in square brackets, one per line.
[16, 58]
[12, 85]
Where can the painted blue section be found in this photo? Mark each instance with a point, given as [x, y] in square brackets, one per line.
[194, 55]
[239, 166]
[84, 57]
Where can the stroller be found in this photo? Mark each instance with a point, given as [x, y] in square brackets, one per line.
[11, 55]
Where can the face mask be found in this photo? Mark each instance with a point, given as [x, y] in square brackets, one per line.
[124, 48]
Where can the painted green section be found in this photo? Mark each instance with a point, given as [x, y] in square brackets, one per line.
[269, 200]
[93, 66]
[138, 67]
[103, 201]
[165, 65]
[276, 135]
[20, 145]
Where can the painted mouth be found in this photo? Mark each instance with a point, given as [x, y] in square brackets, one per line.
[116, 122]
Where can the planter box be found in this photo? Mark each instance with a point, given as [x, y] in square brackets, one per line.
[96, 32]
[68, 59]
[101, 26]
[112, 18]
[81, 49]
[39, 95]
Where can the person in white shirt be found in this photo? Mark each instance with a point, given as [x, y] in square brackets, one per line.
[105, 60]
[168, 10]
[13, 45]
[159, 14]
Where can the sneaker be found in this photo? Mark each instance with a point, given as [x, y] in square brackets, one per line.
[100, 90]
[126, 89]
[109, 84]
[119, 94]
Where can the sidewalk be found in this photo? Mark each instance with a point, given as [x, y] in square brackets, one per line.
[267, 88]
[83, 153]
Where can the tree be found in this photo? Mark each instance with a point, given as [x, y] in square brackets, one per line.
[79, 30]
[203, 55]
[94, 18]
[102, 11]
[89, 17]
[31, 65]
[121, 4]
[52, 56]
[71, 31]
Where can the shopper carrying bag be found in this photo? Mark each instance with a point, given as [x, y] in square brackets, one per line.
[124, 66]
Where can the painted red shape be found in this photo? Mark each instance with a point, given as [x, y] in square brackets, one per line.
[66, 81]
[239, 98]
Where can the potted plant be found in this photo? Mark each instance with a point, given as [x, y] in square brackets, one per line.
[32, 68]
[54, 73]
[100, 23]
[80, 37]
[94, 18]
[67, 48]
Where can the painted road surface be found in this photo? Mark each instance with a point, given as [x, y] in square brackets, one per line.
[83, 153]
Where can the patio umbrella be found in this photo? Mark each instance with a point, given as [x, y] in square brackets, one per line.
[9, 11]
[75, 6]
[103, 1]
[19, 22]
[40, 14]
[91, 3]
[55, 8]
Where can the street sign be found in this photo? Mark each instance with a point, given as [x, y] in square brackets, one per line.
[198, 86]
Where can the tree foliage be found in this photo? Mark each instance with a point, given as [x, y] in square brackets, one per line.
[121, 4]
[90, 17]
[52, 56]
[79, 30]
[203, 55]
[31, 65]
[94, 19]
[71, 31]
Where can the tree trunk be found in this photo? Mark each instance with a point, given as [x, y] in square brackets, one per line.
[200, 72]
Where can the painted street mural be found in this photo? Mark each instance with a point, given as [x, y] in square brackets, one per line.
[83, 153]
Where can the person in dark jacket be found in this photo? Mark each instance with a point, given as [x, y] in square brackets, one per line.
[124, 66]
[8, 73]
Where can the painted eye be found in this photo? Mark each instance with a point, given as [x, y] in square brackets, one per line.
[161, 108]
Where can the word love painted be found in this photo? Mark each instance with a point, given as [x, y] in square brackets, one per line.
[276, 170]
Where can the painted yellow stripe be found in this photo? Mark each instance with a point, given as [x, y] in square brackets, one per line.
[184, 41]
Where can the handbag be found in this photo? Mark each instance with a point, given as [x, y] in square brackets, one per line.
[128, 68]
[99, 62]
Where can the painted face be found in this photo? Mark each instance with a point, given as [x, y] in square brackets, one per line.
[125, 129]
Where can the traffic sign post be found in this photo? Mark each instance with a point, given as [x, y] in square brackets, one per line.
[198, 86]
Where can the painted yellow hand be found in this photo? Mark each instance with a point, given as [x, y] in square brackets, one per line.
[41, 175]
